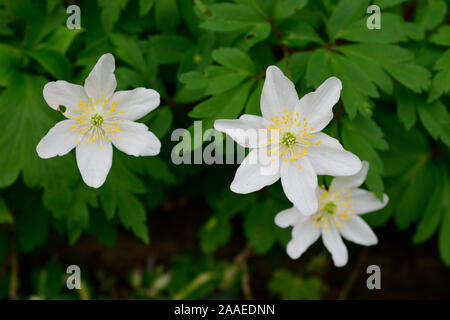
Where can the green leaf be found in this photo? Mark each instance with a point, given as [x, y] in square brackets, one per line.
[392, 30]
[435, 119]
[432, 14]
[441, 82]
[61, 39]
[259, 227]
[290, 287]
[159, 170]
[214, 233]
[128, 50]
[286, 8]
[145, 6]
[444, 235]
[26, 118]
[297, 34]
[32, 225]
[417, 192]
[104, 230]
[414, 77]
[5, 30]
[346, 12]
[234, 59]
[194, 80]
[11, 62]
[171, 48]
[253, 104]
[356, 142]
[160, 121]
[5, 214]
[166, 15]
[442, 36]
[406, 107]
[230, 17]
[111, 12]
[318, 68]
[53, 62]
[387, 3]
[429, 222]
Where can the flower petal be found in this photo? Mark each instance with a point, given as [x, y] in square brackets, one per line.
[101, 80]
[367, 201]
[136, 140]
[93, 161]
[136, 103]
[252, 175]
[62, 93]
[330, 158]
[334, 244]
[358, 231]
[304, 235]
[317, 106]
[350, 182]
[249, 131]
[277, 94]
[59, 140]
[299, 185]
[287, 217]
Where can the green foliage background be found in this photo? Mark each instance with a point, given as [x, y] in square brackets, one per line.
[207, 59]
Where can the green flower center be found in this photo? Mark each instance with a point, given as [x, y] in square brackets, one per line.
[288, 139]
[330, 207]
[97, 120]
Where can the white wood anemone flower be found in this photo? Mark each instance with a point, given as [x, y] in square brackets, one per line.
[337, 216]
[289, 134]
[97, 118]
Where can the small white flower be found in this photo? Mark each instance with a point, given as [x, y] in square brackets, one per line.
[337, 216]
[301, 150]
[98, 118]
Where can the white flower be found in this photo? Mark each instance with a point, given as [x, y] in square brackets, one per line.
[338, 215]
[301, 150]
[98, 118]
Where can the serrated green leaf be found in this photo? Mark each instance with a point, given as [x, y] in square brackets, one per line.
[406, 107]
[435, 119]
[318, 68]
[441, 82]
[286, 8]
[392, 30]
[234, 59]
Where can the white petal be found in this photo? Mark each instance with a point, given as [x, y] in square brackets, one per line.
[367, 201]
[136, 140]
[101, 80]
[287, 217]
[317, 106]
[306, 233]
[251, 175]
[93, 161]
[249, 131]
[62, 93]
[59, 140]
[299, 185]
[358, 231]
[334, 244]
[330, 158]
[278, 93]
[136, 103]
[350, 182]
